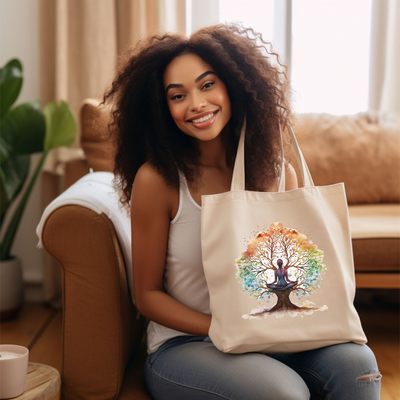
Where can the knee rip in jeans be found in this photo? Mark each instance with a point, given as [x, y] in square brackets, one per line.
[370, 376]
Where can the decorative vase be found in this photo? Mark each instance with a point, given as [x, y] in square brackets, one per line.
[11, 288]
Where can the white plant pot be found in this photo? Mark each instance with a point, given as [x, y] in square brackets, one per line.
[11, 288]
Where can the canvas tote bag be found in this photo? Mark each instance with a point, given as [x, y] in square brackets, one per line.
[279, 265]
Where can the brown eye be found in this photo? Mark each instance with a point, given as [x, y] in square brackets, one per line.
[208, 85]
[177, 97]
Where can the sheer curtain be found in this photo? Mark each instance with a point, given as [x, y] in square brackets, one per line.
[384, 95]
[79, 42]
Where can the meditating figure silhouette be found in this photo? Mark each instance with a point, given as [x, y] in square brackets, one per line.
[282, 281]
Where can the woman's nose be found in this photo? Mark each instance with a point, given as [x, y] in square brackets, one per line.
[198, 102]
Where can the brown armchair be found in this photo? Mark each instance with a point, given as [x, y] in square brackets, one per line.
[103, 335]
[103, 352]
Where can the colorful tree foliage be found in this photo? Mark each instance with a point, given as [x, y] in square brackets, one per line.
[301, 258]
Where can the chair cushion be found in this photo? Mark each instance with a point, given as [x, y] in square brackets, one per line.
[353, 149]
[375, 230]
[377, 255]
[95, 138]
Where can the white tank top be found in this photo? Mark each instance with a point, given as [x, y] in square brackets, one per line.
[184, 278]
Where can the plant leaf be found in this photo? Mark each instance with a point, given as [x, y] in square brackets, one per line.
[5, 148]
[60, 125]
[12, 228]
[13, 174]
[22, 130]
[10, 85]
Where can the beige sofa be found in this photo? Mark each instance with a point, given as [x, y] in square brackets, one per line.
[365, 156]
[103, 345]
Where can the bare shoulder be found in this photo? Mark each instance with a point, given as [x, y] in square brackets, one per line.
[290, 177]
[150, 191]
[149, 178]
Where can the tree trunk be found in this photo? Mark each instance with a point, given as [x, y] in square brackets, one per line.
[283, 302]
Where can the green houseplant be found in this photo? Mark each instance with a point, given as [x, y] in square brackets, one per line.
[25, 130]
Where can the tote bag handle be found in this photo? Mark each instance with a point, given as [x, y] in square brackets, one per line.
[238, 178]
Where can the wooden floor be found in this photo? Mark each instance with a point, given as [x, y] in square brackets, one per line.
[39, 329]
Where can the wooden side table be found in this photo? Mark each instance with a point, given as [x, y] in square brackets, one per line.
[42, 382]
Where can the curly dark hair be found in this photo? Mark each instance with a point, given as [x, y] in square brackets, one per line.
[143, 127]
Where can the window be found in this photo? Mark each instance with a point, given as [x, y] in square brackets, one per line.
[330, 55]
[256, 14]
[328, 45]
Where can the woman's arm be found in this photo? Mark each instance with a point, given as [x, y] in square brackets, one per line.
[290, 179]
[152, 204]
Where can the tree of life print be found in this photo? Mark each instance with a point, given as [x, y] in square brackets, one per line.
[276, 263]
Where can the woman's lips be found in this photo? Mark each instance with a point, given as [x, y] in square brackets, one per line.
[204, 124]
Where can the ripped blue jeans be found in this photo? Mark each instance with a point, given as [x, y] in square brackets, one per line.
[191, 367]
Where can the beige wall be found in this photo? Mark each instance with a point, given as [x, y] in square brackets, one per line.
[19, 39]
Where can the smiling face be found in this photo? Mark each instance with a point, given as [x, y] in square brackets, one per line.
[197, 99]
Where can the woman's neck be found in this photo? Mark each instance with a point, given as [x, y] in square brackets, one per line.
[213, 153]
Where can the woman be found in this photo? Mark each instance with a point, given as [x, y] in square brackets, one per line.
[179, 105]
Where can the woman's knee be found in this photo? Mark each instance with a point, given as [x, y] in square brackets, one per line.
[368, 360]
[363, 356]
[358, 362]
[355, 374]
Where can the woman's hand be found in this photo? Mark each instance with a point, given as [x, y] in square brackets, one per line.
[153, 204]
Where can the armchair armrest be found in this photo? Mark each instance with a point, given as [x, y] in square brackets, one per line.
[101, 328]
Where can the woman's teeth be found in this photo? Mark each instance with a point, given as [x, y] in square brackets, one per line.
[203, 119]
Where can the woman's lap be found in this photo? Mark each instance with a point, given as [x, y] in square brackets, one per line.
[192, 368]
